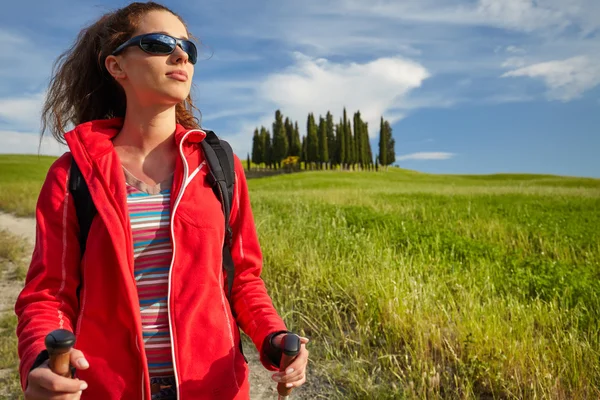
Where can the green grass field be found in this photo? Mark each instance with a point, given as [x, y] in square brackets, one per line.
[21, 179]
[413, 285]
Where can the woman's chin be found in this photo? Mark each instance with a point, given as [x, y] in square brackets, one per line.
[174, 98]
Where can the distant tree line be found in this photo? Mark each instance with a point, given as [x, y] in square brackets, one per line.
[326, 145]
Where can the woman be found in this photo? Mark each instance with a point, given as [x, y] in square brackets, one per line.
[146, 299]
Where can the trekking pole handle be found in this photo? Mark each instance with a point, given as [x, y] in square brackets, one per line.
[290, 347]
[59, 343]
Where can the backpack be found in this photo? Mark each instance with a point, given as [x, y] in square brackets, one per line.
[219, 157]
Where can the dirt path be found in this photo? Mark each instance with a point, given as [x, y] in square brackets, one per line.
[261, 385]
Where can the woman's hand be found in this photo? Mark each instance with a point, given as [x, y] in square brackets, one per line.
[45, 384]
[295, 374]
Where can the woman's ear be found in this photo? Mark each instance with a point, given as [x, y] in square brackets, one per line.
[113, 66]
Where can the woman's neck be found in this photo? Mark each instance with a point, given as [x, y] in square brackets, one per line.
[146, 145]
[146, 129]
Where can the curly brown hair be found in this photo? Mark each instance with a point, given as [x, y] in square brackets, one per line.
[82, 90]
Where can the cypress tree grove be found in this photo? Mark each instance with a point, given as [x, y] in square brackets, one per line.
[326, 145]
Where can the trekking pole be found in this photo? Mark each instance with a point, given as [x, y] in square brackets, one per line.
[58, 343]
[290, 346]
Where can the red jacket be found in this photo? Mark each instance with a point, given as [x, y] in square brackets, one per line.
[106, 316]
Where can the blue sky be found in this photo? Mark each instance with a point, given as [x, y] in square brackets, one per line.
[470, 86]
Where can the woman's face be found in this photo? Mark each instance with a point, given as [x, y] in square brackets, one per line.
[150, 78]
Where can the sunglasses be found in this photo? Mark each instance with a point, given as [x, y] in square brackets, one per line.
[160, 44]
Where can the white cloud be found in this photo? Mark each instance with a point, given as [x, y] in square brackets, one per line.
[29, 143]
[426, 156]
[565, 79]
[526, 15]
[318, 85]
[519, 15]
[515, 50]
[514, 62]
[377, 88]
[22, 112]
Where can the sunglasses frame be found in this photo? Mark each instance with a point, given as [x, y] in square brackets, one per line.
[137, 41]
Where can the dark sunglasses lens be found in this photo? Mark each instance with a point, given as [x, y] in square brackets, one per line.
[158, 44]
[190, 49]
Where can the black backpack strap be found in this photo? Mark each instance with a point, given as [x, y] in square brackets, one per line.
[84, 206]
[219, 157]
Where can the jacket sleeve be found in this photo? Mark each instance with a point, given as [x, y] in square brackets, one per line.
[48, 301]
[256, 315]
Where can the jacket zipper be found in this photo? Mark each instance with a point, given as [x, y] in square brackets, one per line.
[179, 196]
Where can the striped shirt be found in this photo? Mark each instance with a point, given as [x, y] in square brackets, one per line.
[149, 212]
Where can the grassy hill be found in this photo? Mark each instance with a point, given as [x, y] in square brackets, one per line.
[426, 286]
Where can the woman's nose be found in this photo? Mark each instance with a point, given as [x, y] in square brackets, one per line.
[180, 56]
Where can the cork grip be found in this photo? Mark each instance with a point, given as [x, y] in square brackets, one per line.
[59, 344]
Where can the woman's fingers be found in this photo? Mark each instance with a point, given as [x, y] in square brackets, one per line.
[78, 360]
[296, 371]
[46, 379]
[45, 384]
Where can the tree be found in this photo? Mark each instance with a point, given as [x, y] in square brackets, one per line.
[257, 148]
[289, 132]
[312, 140]
[367, 145]
[266, 143]
[387, 154]
[358, 139]
[383, 143]
[248, 161]
[295, 145]
[303, 152]
[323, 153]
[347, 151]
[340, 144]
[331, 150]
[391, 155]
[280, 143]
[349, 143]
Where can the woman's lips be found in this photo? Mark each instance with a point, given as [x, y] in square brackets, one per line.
[179, 75]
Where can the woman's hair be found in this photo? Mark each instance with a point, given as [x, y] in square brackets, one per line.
[81, 89]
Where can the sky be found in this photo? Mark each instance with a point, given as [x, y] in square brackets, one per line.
[469, 86]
